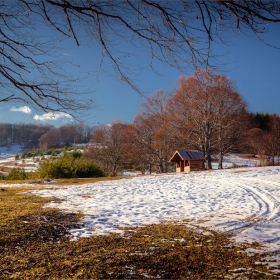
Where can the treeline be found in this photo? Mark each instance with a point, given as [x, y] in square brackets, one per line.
[66, 135]
[263, 136]
[27, 134]
[204, 113]
[44, 136]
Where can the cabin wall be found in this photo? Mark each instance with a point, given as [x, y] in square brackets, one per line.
[183, 166]
[178, 167]
[197, 165]
[187, 168]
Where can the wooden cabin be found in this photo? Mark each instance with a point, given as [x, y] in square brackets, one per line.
[187, 161]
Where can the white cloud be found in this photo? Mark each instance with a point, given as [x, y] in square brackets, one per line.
[51, 116]
[24, 109]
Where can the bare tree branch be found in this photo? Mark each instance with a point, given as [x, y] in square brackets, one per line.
[179, 33]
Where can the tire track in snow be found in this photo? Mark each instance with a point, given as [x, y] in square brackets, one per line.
[265, 202]
[269, 208]
[264, 228]
[273, 204]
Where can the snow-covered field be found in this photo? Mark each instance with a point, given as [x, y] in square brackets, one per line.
[10, 151]
[244, 201]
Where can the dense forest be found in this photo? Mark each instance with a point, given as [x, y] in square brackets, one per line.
[44, 136]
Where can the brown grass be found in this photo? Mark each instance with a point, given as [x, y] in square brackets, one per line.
[62, 182]
[240, 171]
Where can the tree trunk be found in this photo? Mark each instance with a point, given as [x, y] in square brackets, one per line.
[143, 169]
[114, 170]
[208, 164]
[162, 167]
[220, 164]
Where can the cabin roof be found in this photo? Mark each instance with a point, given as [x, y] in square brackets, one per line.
[186, 155]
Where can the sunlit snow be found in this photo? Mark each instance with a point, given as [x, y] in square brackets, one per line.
[243, 201]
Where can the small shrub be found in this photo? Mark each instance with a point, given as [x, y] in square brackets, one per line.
[17, 174]
[76, 154]
[69, 166]
[53, 152]
[49, 152]
[31, 153]
[16, 157]
[86, 169]
[28, 154]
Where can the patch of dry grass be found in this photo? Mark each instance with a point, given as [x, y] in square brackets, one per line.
[34, 245]
[240, 171]
[81, 181]
[62, 182]
[5, 169]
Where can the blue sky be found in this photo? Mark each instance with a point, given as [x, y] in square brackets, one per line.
[253, 66]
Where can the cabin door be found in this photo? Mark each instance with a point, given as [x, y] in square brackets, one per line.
[182, 165]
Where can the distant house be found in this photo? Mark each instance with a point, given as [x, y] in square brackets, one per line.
[187, 161]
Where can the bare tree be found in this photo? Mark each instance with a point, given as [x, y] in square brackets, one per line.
[274, 137]
[31, 70]
[230, 129]
[153, 132]
[264, 138]
[106, 147]
[256, 141]
[179, 33]
[206, 110]
[232, 119]
[143, 140]
[51, 139]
